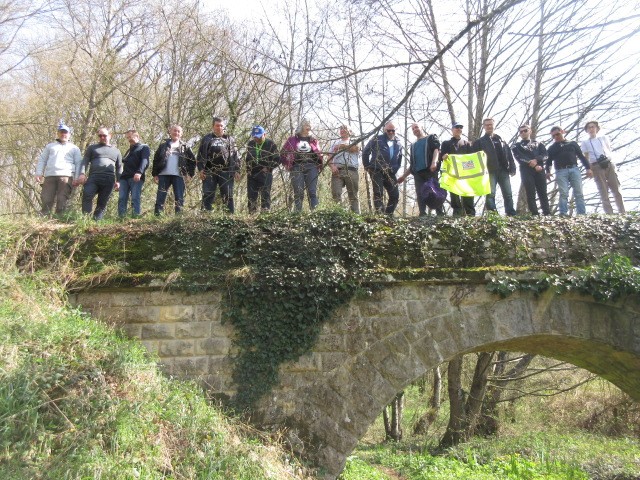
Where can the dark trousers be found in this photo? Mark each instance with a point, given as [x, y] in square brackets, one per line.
[259, 185]
[462, 206]
[101, 185]
[419, 178]
[164, 182]
[382, 180]
[222, 180]
[56, 190]
[535, 182]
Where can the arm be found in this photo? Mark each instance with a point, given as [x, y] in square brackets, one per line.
[517, 155]
[201, 161]
[191, 161]
[273, 156]
[512, 164]
[42, 164]
[366, 154]
[145, 153]
[287, 154]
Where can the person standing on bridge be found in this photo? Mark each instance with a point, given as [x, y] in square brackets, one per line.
[174, 164]
[58, 166]
[261, 158]
[134, 164]
[564, 155]
[461, 206]
[382, 158]
[597, 149]
[424, 163]
[531, 155]
[105, 163]
[344, 168]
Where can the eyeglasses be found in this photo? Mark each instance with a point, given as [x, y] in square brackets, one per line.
[390, 131]
[100, 135]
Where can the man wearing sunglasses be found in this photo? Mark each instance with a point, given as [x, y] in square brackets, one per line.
[381, 157]
[564, 155]
[105, 164]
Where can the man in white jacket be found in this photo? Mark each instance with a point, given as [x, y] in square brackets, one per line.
[58, 167]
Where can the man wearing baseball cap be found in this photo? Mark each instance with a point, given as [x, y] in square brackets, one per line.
[58, 167]
[461, 206]
[261, 158]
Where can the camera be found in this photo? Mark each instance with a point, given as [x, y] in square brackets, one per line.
[604, 161]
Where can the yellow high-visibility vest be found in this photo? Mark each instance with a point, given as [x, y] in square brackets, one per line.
[466, 174]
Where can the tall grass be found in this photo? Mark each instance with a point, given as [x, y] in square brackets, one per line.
[79, 401]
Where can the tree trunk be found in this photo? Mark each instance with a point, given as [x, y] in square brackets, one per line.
[422, 425]
[455, 428]
[393, 424]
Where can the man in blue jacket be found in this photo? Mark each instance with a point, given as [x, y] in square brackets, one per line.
[134, 164]
[381, 157]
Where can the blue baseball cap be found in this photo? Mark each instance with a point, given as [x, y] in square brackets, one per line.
[62, 126]
[457, 125]
[257, 131]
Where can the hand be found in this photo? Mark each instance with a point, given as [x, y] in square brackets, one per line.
[116, 187]
[589, 173]
[401, 178]
[512, 173]
[538, 168]
[334, 169]
[444, 157]
[39, 178]
[434, 167]
[82, 179]
[548, 175]
[533, 163]
[155, 179]
[137, 177]
[236, 176]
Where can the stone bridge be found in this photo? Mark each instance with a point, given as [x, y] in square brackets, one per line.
[374, 347]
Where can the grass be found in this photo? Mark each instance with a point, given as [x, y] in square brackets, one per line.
[79, 401]
[554, 438]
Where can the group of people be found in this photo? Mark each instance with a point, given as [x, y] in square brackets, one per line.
[102, 169]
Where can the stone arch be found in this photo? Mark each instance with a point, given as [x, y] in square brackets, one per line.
[380, 345]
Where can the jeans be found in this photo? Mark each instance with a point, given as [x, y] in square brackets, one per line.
[222, 180]
[382, 180]
[58, 190]
[102, 185]
[304, 175]
[164, 182]
[501, 177]
[570, 177]
[533, 182]
[129, 186]
[259, 185]
[348, 178]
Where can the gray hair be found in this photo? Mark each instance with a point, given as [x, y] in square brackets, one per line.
[303, 122]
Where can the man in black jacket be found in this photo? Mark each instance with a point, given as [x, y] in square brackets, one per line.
[461, 206]
[500, 165]
[218, 165]
[261, 158]
[173, 165]
[531, 155]
[134, 164]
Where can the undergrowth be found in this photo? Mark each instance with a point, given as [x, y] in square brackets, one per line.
[79, 401]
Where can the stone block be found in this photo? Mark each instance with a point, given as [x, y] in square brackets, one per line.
[152, 346]
[190, 366]
[409, 291]
[139, 314]
[214, 346]
[383, 327]
[162, 298]
[92, 300]
[332, 342]
[310, 362]
[157, 331]
[359, 342]
[193, 329]
[176, 348]
[332, 360]
[176, 313]
[219, 329]
[221, 366]
[333, 434]
[207, 313]
[128, 299]
[132, 330]
[401, 369]
[381, 309]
